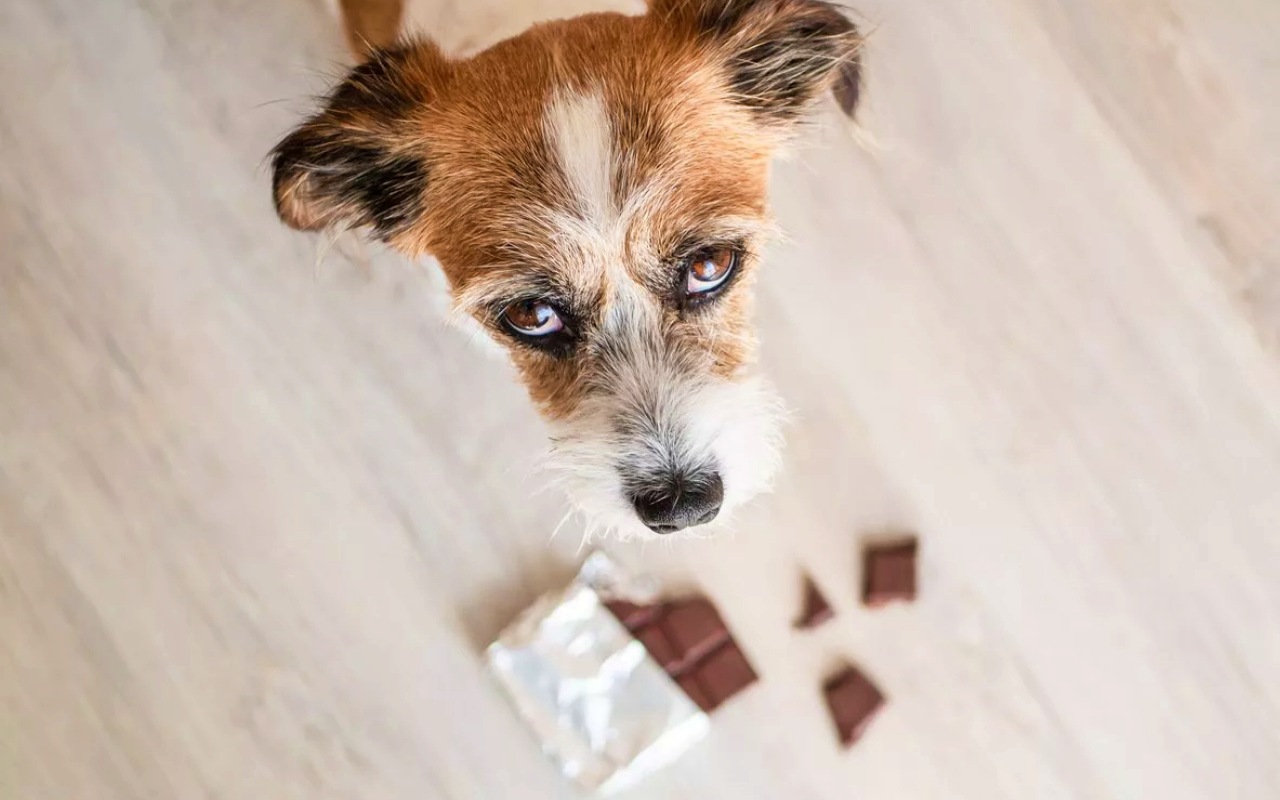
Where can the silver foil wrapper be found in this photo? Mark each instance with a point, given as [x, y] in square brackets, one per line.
[603, 709]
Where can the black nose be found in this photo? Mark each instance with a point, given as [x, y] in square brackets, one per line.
[679, 503]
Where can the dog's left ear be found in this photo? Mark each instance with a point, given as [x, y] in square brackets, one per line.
[780, 54]
[361, 161]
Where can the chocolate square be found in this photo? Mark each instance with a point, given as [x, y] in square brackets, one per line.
[655, 640]
[695, 627]
[889, 573]
[723, 674]
[853, 701]
[689, 684]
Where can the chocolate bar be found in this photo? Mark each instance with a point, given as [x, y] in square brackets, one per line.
[889, 573]
[606, 713]
[853, 701]
[689, 640]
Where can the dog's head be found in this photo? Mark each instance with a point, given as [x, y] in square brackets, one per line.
[595, 191]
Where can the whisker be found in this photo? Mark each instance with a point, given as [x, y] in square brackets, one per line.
[560, 525]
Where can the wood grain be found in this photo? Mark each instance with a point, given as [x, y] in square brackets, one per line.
[259, 511]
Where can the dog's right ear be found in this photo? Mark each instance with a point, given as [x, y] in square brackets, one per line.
[778, 54]
[361, 161]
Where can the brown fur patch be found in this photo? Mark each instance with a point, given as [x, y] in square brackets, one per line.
[677, 136]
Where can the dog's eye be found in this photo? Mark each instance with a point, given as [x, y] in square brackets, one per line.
[533, 318]
[709, 269]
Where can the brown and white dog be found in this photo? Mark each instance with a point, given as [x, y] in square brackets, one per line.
[595, 191]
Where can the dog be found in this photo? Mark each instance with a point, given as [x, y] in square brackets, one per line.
[595, 191]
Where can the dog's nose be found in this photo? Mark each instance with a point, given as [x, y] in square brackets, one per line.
[680, 503]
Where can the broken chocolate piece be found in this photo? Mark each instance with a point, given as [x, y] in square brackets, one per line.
[853, 701]
[689, 640]
[889, 573]
[816, 608]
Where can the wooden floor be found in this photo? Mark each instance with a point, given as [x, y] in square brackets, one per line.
[260, 512]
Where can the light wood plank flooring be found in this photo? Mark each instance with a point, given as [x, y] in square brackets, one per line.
[260, 512]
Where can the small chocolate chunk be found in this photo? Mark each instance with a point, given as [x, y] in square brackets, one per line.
[853, 701]
[723, 674]
[889, 573]
[816, 608]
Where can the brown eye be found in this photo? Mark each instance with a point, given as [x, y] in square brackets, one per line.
[533, 318]
[709, 269]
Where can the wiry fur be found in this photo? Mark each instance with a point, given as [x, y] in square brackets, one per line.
[581, 163]
[780, 53]
[655, 414]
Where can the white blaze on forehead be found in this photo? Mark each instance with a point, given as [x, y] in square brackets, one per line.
[592, 230]
[578, 128]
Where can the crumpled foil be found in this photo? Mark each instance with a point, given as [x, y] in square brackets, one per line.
[604, 710]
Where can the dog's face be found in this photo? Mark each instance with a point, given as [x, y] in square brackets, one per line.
[595, 191]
